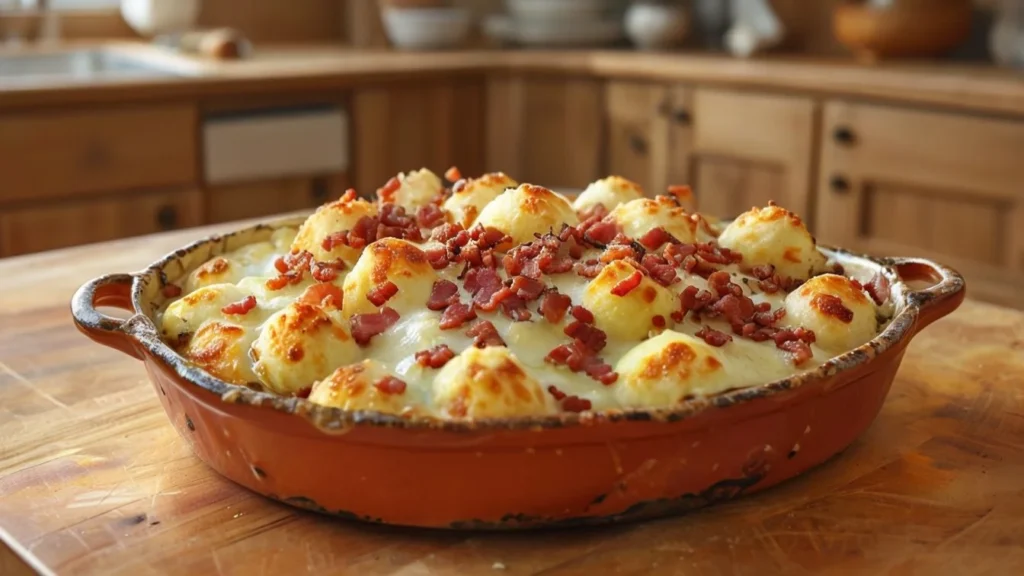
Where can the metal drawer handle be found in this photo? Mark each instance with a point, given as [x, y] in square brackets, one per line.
[167, 217]
[843, 135]
[839, 184]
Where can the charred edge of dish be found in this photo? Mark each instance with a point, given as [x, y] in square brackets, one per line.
[718, 492]
[312, 505]
[597, 500]
[188, 422]
[259, 472]
[331, 418]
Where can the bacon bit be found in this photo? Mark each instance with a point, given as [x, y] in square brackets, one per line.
[241, 307]
[304, 392]
[349, 195]
[390, 385]
[527, 288]
[389, 188]
[484, 334]
[514, 308]
[596, 212]
[601, 233]
[456, 315]
[437, 256]
[578, 358]
[429, 216]
[658, 321]
[558, 394]
[589, 269]
[487, 289]
[446, 232]
[381, 293]
[832, 306]
[452, 174]
[582, 314]
[554, 306]
[799, 350]
[326, 271]
[593, 338]
[627, 285]
[283, 280]
[323, 295]
[575, 404]
[763, 271]
[659, 269]
[878, 288]
[171, 291]
[443, 294]
[657, 237]
[281, 265]
[366, 326]
[714, 337]
[435, 357]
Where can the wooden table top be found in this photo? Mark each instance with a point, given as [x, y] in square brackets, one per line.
[93, 479]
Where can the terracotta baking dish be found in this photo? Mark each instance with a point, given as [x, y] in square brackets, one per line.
[570, 469]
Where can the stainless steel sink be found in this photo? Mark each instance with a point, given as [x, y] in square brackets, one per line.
[76, 66]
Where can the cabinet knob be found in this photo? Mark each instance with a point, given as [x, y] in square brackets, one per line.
[844, 135]
[167, 217]
[638, 144]
[839, 184]
[681, 116]
[320, 190]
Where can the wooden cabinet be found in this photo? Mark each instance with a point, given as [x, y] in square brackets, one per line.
[255, 199]
[49, 154]
[407, 126]
[748, 148]
[545, 130]
[46, 227]
[946, 186]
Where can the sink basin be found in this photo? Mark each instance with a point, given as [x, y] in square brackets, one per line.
[76, 66]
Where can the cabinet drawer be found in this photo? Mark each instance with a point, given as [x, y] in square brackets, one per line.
[97, 151]
[85, 221]
[257, 199]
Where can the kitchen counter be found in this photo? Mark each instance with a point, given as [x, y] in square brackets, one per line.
[277, 69]
[93, 479]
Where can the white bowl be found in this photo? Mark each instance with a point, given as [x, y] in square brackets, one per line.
[426, 28]
[656, 26]
[563, 10]
[152, 17]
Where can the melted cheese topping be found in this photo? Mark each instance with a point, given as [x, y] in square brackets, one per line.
[296, 338]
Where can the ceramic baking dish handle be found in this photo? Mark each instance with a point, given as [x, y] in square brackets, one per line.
[941, 298]
[111, 290]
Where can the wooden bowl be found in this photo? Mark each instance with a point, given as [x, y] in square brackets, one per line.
[562, 470]
[907, 28]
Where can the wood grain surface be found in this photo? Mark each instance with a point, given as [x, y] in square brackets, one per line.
[94, 480]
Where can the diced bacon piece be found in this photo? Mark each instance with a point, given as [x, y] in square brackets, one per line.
[443, 294]
[618, 252]
[659, 269]
[452, 174]
[429, 216]
[484, 334]
[325, 271]
[527, 288]
[878, 288]
[799, 350]
[578, 358]
[721, 284]
[381, 293]
[437, 256]
[324, 295]
[575, 404]
[386, 192]
[763, 271]
[658, 321]
[554, 306]
[597, 212]
[456, 315]
[390, 385]
[435, 357]
[627, 285]
[592, 337]
[491, 303]
[366, 326]
[241, 307]
[281, 266]
[601, 233]
[556, 393]
[445, 232]
[514, 308]
[589, 269]
[171, 291]
[657, 237]
[714, 337]
[582, 314]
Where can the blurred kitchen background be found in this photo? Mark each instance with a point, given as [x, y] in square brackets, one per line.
[892, 126]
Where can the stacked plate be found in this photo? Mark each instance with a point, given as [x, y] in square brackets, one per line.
[558, 23]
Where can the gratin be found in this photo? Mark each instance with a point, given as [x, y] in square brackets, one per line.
[489, 298]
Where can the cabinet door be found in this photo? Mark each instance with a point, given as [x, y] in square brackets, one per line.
[545, 130]
[408, 126]
[85, 221]
[256, 199]
[901, 182]
[747, 149]
[637, 140]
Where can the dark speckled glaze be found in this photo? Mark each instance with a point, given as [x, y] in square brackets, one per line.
[564, 470]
